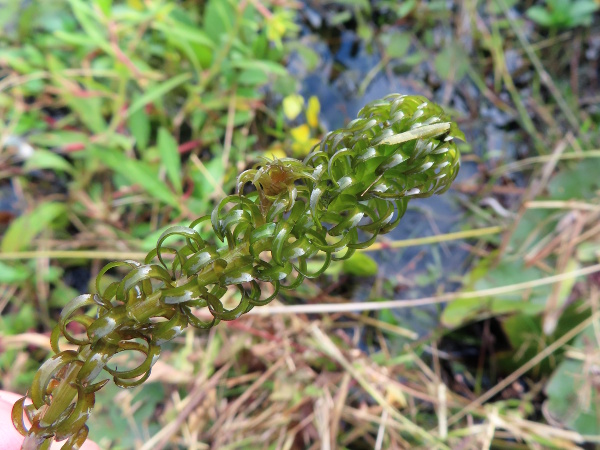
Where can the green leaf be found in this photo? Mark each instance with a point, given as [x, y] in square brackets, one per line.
[360, 265]
[566, 390]
[167, 147]
[520, 328]
[89, 111]
[157, 91]
[76, 39]
[180, 30]
[25, 228]
[413, 59]
[136, 172]
[540, 16]
[339, 18]
[504, 273]
[13, 274]
[58, 138]
[105, 6]
[583, 10]
[264, 65]
[252, 77]
[219, 17]
[451, 62]
[588, 252]
[20, 322]
[150, 237]
[405, 7]
[574, 14]
[580, 181]
[46, 159]
[216, 169]
[85, 16]
[396, 43]
[139, 126]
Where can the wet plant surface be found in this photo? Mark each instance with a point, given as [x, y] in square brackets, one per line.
[122, 118]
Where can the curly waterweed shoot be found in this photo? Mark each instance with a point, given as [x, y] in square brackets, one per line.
[352, 187]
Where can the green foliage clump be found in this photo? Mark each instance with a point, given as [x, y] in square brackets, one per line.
[564, 13]
[353, 186]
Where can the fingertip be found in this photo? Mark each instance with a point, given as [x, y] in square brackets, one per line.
[11, 439]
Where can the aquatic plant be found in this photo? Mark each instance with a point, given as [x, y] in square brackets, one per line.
[352, 187]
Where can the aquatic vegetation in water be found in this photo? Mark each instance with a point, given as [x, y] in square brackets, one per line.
[353, 186]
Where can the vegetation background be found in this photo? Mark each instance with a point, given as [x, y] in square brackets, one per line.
[121, 118]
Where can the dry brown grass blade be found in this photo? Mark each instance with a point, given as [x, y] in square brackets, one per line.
[330, 348]
[161, 439]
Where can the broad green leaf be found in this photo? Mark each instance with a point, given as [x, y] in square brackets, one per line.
[580, 181]
[583, 10]
[157, 91]
[396, 43]
[219, 17]
[483, 277]
[252, 77]
[46, 159]
[360, 265]
[167, 147]
[137, 172]
[540, 16]
[451, 62]
[25, 228]
[572, 398]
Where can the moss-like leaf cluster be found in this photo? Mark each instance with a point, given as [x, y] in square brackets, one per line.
[353, 186]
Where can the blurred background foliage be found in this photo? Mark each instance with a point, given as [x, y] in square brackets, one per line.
[121, 118]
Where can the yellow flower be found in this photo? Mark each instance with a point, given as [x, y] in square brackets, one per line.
[303, 143]
[312, 112]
